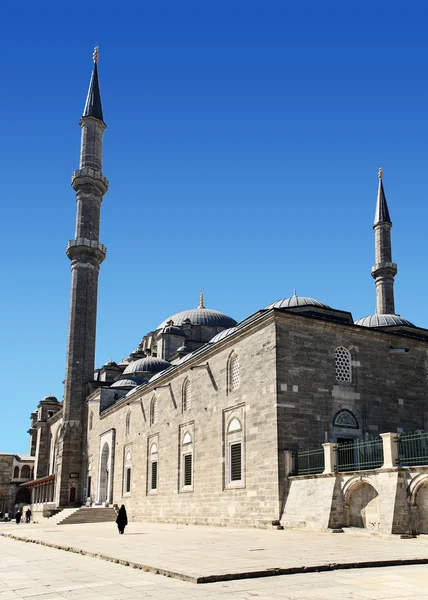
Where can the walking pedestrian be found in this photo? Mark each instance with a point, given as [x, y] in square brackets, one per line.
[18, 516]
[122, 519]
[27, 516]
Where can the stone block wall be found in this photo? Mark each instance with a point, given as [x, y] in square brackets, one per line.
[210, 501]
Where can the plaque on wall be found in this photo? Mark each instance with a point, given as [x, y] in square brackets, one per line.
[74, 475]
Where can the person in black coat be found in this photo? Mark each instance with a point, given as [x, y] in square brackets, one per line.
[122, 519]
[18, 516]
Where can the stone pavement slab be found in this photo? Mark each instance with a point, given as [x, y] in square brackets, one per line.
[202, 554]
[29, 562]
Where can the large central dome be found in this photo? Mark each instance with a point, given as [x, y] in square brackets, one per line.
[200, 316]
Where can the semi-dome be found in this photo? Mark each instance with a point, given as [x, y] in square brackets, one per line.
[383, 321]
[297, 301]
[129, 382]
[149, 364]
[223, 334]
[200, 316]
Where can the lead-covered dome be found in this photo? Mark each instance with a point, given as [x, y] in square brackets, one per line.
[129, 382]
[383, 321]
[223, 334]
[200, 316]
[297, 301]
[148, 364]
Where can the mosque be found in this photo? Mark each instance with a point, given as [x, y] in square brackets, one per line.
[196, 423]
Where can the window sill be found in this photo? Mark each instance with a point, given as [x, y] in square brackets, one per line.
[236, 485]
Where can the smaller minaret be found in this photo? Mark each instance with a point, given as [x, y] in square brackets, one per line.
[384, 270]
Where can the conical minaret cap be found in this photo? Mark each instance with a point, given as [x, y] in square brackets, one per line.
[382, 212]
[93, 107]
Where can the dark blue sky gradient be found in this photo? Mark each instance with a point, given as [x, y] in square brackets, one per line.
[242, 146]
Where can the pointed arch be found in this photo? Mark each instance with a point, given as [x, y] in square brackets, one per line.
[153, 410]
[233, 372]
[186, 396]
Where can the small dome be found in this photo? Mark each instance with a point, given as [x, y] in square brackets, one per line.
[49, 399]
[297, 301]
[383, 321]
[172, 330]
[124, 362]
[110, 363]
[200, 316]
[223, 334]
[129, 382]
[149, 364]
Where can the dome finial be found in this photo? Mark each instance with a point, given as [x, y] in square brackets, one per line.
[379, 173]
[201, 300]
[95, 54]
[294, 293]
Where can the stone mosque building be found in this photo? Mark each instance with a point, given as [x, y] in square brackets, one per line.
[200, 422]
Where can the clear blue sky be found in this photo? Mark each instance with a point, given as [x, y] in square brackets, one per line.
[242, 146]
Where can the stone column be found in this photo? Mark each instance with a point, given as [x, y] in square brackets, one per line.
[330, 458]
[390, 450]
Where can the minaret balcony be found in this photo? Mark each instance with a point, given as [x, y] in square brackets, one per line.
[89, 177]
[384, 269]
[83, 247]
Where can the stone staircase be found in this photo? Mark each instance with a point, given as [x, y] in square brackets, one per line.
[61, 515]
[73, 516]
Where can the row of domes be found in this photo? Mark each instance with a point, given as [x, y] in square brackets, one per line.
[153, 366]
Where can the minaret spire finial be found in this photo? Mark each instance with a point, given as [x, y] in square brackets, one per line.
[384, 269]
[201, 300]
[93, 107]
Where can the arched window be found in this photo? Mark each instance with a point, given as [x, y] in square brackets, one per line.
[233, 372]
[91, 421]
[128, 423]
[235, 454]
[344, 418]
[25, 472]
[187, 396]
[187, 462]
[153, 411]
[343, 365]
[153, 470]
[16, 473]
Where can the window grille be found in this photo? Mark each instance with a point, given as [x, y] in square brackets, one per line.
[344, 418]
[154, 476]
[235, 379]
[343, 365]
[236, 461]
[187, 469]
[128, 480]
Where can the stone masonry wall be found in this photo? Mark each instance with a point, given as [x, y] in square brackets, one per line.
[209, 502]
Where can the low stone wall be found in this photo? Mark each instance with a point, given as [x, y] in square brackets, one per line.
[393, 500]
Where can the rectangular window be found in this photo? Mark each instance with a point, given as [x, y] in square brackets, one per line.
[236, 461]
[187, 469]
[88, 493]
[128, 480]
[154, 478]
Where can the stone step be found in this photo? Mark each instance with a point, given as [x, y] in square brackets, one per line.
[60, 515]
[89, 515]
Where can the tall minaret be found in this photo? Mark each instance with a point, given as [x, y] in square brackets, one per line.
[384, 270]
[86, 254]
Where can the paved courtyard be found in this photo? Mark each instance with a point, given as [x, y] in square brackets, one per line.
[201, 554]
[43, 573]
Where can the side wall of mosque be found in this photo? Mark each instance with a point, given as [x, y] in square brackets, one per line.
[218, 410]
